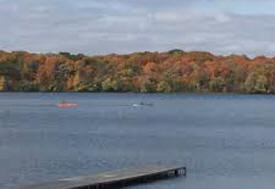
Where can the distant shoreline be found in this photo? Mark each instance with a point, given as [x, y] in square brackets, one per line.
[175, 71]
[141, 93]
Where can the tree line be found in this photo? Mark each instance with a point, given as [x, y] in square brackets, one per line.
[146, 72]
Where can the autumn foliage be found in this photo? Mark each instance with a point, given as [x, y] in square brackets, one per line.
[173, 71]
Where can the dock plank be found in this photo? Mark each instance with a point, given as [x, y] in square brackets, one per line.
[109, 178]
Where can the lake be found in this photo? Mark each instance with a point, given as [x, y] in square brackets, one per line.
[226, 141]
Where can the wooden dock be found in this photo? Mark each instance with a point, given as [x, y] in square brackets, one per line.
[115, 179]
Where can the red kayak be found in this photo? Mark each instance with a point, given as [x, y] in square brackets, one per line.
[67, 105]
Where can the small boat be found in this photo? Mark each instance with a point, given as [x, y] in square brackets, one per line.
[142, 104]
[64, 104]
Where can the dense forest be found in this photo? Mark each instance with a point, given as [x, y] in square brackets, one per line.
[146, 72]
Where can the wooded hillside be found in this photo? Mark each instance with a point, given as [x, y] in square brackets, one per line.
[173, 71]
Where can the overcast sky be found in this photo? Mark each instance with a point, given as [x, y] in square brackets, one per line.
[123, 26]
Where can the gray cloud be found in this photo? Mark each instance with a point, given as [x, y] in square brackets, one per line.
[122, 26]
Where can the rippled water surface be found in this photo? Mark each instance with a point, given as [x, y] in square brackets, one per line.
[226, 141]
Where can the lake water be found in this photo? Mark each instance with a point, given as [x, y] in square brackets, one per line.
[226, 141]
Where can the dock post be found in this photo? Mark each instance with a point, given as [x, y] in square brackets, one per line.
[185, 171]
[177, 172]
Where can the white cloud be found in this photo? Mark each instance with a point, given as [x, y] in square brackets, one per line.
[168, 17]
[123, 26]
[220, 17]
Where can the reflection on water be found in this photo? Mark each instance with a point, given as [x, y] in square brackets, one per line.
[226, 141]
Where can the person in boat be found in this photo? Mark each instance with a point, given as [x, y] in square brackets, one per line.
[143, 104]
